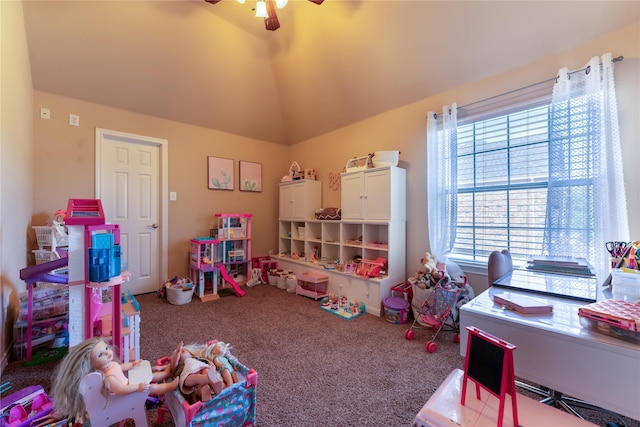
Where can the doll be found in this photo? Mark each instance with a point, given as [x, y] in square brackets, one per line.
[217, 353]
[94, 354]
[198, 378]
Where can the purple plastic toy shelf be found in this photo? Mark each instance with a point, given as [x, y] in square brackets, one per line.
[40, 273]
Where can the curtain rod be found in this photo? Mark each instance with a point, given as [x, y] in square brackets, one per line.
[587, 69]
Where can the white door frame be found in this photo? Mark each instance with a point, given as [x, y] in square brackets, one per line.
[163, 185]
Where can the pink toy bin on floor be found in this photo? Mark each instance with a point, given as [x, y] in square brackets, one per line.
[396, 310]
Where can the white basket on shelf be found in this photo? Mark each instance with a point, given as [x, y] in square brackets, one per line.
[51, 236]
[43, 256]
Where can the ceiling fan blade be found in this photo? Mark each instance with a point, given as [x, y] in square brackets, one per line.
[212, 1]
[314, 1]
[271, 22]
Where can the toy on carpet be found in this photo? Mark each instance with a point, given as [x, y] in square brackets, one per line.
[256, 277]
[24, 407]
[198, 378]
[234, 406]
[340, 306]
[91, 355]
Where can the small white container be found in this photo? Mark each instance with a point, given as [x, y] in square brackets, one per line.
[625, 286]
[385, 158]
[291, 283]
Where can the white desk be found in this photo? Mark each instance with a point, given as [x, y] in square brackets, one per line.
[554, 350]
[444, 409]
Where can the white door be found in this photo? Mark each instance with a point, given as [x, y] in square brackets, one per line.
[130, 181]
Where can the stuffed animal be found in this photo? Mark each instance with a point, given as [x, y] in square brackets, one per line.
[430, 263]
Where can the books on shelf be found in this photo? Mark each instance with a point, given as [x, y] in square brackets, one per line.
[560, 264]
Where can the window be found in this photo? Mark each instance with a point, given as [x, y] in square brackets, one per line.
[536, 177]
[502, 177]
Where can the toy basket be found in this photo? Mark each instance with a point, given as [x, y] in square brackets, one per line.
[43, 256]
[178, 295]
[51, 236]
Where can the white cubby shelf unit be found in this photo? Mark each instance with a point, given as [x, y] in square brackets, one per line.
[338, 240]
[378, 231]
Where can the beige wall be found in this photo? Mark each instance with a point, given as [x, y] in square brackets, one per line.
[66, 153]
[404, 129]
[16, 171]
[64, 164]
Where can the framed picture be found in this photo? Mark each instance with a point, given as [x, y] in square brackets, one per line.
[220, 173]
[250, 176]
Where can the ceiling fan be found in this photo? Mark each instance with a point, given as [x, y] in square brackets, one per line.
[267, 9]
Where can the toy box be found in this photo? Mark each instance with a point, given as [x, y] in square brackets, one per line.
[235, 406]
[24, 407]
[618, 319]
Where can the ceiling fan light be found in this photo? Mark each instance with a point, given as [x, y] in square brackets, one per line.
[281, 3]
[241, 1]
[261, 9]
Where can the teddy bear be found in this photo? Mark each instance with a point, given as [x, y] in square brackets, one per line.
[430, 263]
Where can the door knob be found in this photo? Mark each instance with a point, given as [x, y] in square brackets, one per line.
[154, 226]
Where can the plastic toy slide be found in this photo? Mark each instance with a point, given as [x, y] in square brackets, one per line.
[225, 276]
[42, 272]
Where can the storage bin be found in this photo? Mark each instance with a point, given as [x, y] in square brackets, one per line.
[178, 295]
[385, 158]
[625, 286]
[396, 310]
[43, 255]
[51, 236]
[291, 283]
[618, 319]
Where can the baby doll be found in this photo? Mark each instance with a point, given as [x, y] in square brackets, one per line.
[94, 354]
[198, 378]
[217, 353]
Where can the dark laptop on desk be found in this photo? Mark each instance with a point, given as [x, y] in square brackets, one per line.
[580, 288]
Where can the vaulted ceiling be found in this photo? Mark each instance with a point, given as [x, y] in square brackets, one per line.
[329, 65]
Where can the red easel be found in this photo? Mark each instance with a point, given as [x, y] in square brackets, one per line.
[489, 363]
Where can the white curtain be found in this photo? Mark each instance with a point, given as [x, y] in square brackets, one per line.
[585, 166]
[442, 180]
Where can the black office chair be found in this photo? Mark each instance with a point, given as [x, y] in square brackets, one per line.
[499, 264]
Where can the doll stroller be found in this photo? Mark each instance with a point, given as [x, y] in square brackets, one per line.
[436, 314]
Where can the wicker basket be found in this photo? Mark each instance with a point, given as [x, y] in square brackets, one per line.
[179, 296]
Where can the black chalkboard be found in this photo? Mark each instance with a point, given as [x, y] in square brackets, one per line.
[486, 363]
[489, 363]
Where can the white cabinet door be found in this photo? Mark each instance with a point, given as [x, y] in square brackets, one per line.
[352, 186]
[300, 199]
[376, 195]
[286, 201]
[366, 195]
